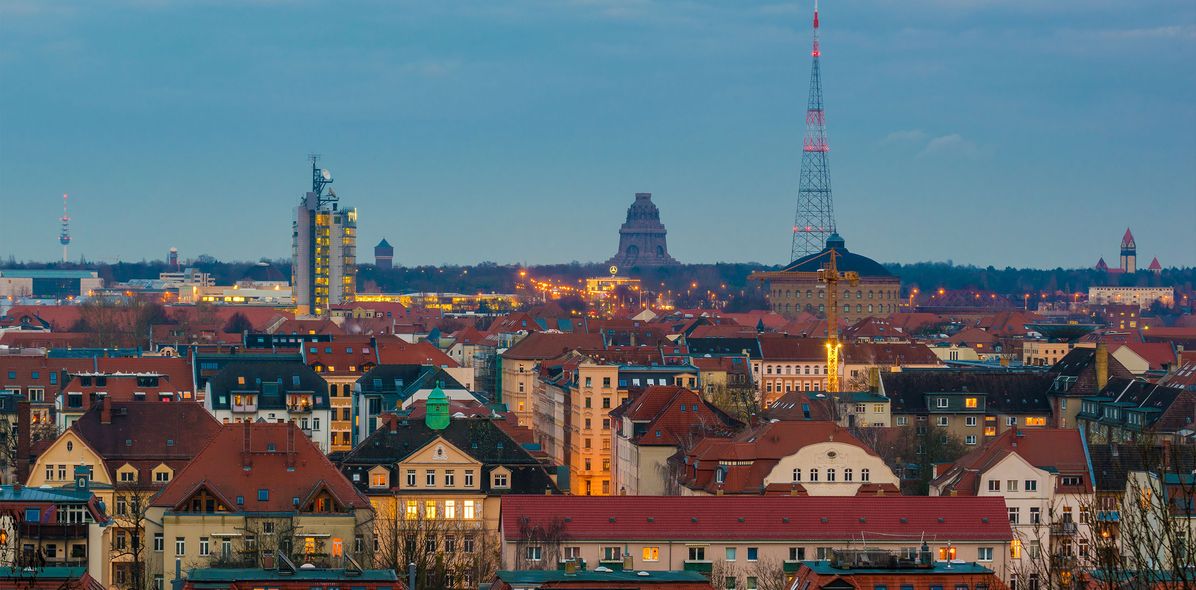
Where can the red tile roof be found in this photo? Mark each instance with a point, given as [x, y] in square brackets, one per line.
[146, 434]
[780, 518]
[1160, 355]
[395, 351]
[546, 345]
[1058, 450]
[295, 468]
[660, 407]
[791, 348]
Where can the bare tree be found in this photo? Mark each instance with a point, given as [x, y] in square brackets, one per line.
[128, 550]
[452, 553]
[539, 545]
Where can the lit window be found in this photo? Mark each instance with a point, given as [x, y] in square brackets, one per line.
[651, 553]
[970, 402]
[1015, 549]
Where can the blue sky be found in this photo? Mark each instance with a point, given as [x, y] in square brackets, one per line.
[1003, 132]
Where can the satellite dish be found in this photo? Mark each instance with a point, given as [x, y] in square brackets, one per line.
[326, 174]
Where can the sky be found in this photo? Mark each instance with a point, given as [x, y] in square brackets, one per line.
[992, 132]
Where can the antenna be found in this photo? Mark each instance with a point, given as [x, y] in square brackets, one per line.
[319, 179]
[64, 238]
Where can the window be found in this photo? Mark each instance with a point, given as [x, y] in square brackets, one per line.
[797, 474]
[1014, 513]
[753, 553]
[612, 553]
[944, 420]
[263, 495]
[430, 477]
[984, 554]
[1015, 549]
[533, 552]
[467, 510]
[970, 402]
[1035, 421]
[864, 474]
[651, 553]
[994, 485]
[969, 421]
[697, 554]
[941, 402]
[1011, 485]
[499, 480]
[1031, 485]
[1010, 420]
[731, 553]
[161, 476]
[412, 511]
[969, 439]
[379, 479]
[429, 509]
[1070, 480]
[159, 543]
[752, 583]
[729, 583]
[122, 506]
[797, 554]
[902, 420]
[830, 474]
[410, 478]
[450, 509]
[847, 474]
[180, 546]
[450, 478]
[469, 478]
[203, 547]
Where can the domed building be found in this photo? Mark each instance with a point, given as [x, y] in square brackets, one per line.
[796, 287]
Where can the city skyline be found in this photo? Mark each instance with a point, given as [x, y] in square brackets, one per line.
[474, 128]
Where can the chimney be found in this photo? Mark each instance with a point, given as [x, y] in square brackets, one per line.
[106, 410]
[1166, 459]
[1102, 365]
[24, 433]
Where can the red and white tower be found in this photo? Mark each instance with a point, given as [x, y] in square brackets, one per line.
[815, 219]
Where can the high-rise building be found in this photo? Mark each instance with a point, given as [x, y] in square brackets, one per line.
[324, 248]
[384, 255]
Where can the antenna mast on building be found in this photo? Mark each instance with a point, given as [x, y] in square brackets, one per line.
[64, 238]
[815, 220]
[319, 179]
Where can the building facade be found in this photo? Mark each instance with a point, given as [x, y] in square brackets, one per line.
[323, 250]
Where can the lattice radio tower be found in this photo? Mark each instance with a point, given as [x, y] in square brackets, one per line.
[815, 219]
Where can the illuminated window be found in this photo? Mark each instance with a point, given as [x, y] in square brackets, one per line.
[651, 553]
[1035, 421]
[1015, 549]
[450, 509]
[309, 545]
[467, 510]
[430, 509]
[947, 553]
[412, 510]
[970, 402]
[338, 548]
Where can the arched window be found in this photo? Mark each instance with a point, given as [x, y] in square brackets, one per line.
[864, 474]
[830, 474]
[797, 475]
[814, 474]
[847, 474]
[809, 294]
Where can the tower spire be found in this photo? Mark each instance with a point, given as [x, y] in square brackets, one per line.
[815, 220]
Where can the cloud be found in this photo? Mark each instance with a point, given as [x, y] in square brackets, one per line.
[950, 144]
[908, 135]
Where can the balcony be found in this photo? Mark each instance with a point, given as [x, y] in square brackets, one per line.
[36, 530]
[1063, 529]
[702, 567]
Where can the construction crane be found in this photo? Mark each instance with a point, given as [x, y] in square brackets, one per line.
[829, 276]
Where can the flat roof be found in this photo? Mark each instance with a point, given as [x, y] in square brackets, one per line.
[234, 574]
[20, 273]
[545, 576]
[938, 567]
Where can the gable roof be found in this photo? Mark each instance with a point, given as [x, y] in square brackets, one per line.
[546, 345]
[147, 434]
[481, 438]
[672, 413]
[244, 458]
[1057, 450]
[1007, 392]
[270, 380]
[765, 518]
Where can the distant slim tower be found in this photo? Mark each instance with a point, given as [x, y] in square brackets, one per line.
[64, 237]
[1129, 253]
[323, 248]
[172, 259]
[815, 219]
[384, 255]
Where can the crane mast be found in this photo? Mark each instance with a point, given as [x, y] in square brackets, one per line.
[831, 277]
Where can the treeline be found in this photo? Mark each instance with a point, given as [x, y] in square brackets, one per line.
[729, 280]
